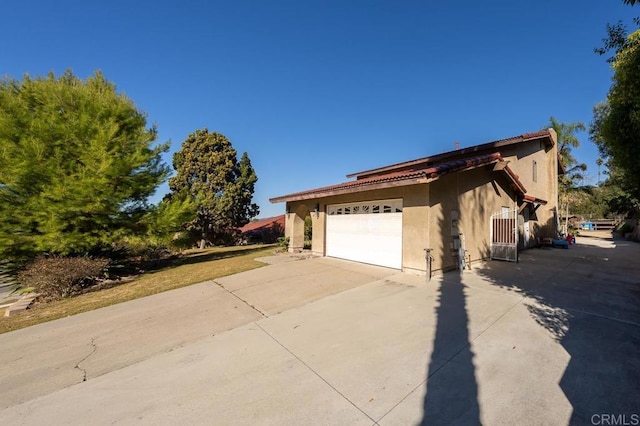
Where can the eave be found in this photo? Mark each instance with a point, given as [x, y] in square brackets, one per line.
[391, 180]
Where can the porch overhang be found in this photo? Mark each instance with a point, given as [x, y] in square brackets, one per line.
[532, 201]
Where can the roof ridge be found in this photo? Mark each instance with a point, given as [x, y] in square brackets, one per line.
[467, 150]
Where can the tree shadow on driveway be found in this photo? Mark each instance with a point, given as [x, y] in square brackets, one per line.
[451, 389]
[452, 394]
[588, 299]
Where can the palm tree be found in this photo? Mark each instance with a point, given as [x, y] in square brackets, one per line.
[599, 163]
[567, 140]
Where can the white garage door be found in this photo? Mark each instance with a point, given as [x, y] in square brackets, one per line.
[368, 232]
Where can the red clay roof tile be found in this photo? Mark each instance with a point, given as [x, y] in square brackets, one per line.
[263, 223]
[532, 199]
[431, 172]
[516, 179]
[477, 149]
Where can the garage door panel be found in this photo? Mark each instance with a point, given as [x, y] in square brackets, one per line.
[368, 238]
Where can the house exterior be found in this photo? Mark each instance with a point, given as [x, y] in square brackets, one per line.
[388, 216]
[266, 230]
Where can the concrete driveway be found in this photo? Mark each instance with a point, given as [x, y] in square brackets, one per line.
[551, 340]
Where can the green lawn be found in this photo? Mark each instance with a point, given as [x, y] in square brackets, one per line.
[194, 267]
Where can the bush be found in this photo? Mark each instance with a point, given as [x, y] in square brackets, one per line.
[283, 243]
[132, 256]
[624, 228]
[59, 277]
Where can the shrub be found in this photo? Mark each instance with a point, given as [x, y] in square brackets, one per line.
[624, 228]
[283, 243]
[59, 277]
[130, 256]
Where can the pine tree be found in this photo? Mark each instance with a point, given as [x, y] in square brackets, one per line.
[244, 209]
[77, 163]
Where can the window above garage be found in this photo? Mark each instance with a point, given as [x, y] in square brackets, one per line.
[366, 207]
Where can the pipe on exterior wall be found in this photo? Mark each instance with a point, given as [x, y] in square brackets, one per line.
[428, 259]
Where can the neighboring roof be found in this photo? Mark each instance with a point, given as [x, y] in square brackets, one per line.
[263, 224]
[544, 135]
[401, 178]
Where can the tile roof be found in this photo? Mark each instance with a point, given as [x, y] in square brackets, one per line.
[515, 179]
[404, 177]
[259, 224]
[473, 150]
[534, 200]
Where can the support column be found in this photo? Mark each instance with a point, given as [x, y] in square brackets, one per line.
[294, 228]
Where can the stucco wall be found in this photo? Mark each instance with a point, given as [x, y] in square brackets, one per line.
[521, 157]
[428, 207]
[474, 195]
[414, 227]
[294, 224]
[427, 215]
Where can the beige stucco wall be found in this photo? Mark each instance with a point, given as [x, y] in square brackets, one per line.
[426, 215]
[474, 195]
[427, 208]
[294, 224]
[414, 227]
[521, 156]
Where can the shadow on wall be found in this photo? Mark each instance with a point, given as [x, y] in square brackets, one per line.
[470, 198]
[545, 230]
[588, 299]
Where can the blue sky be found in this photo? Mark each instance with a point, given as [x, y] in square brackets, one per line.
[316, 90]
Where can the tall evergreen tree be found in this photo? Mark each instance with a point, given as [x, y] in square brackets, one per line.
[77, 163]
[244, 209]
[209, 173]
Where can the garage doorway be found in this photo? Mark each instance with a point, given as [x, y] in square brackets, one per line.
[367, 232]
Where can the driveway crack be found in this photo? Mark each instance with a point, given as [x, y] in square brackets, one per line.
[242, 300]
[93, 350]
[316, 373]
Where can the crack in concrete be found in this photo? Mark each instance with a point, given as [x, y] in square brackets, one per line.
[375, 423]
[95, 348]
[241, 299]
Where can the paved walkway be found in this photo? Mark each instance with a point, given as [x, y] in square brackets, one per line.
[551, 340]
